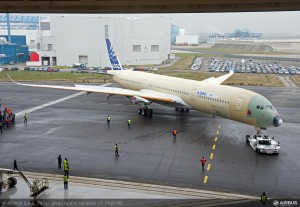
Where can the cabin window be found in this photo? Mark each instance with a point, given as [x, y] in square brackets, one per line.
[257, 106]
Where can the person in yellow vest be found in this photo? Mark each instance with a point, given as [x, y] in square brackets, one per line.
[129, 124]
[25, 118]
[65, 182]
[263, 198]
[116, 150]
[108, 121]
[66, 167]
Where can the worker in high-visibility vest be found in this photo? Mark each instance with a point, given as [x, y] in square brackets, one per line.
[65, 182]
[174, 134]
[203, 161]
[129, 123]
[108, 121]
[116, 150]
[263, 198]
[66, 167]
[25, 118]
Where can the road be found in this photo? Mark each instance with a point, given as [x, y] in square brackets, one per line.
[76, 129]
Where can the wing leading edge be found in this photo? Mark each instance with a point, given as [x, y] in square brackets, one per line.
[146, 94]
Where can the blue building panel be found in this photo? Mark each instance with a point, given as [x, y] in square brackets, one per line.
[16, 39]
[20, 22]
[13, 54]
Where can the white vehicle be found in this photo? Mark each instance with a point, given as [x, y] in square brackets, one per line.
[263, 144]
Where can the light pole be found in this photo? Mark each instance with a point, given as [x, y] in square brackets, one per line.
[17, 55]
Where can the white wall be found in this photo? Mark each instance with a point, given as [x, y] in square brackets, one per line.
[76, 36]
[31, 36]
[190, 39]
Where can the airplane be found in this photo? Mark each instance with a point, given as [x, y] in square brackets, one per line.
[207, 96]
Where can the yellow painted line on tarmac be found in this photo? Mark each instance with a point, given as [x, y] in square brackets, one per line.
[217, 132]
[216, 139]
[103, 103]
[35, 99]
[211, 156]
[214, 147]
[117, 104]
[23, 98]
[75, 101]
[90, 102]
[205, 179]
[208, 167]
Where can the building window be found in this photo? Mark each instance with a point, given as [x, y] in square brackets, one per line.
[136, 48]
[50, 47]
[154, 48]
[106, 31]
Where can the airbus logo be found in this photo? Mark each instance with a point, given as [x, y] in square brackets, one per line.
[285, 203]
[116, 65]
[206, 94]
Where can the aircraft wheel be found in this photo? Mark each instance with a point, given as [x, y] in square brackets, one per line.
[145, 112]
[176, 108]
[12, 181]
[182, 109]
[140, 111]
[150, 112]
[187, 110]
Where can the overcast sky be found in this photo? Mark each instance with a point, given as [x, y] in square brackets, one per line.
[264, 22]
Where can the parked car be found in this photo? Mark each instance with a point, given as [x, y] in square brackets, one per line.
[14, 68]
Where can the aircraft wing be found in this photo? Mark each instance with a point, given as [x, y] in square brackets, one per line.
[142, 95]
[218, 80]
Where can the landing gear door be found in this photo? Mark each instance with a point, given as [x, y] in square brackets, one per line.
[239, 104]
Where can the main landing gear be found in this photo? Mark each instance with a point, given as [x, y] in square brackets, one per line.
[145, 111]
[181, 109]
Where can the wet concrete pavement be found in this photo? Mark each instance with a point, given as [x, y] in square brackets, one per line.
[76, 129]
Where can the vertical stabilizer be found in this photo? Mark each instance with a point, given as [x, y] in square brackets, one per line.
[114, 61]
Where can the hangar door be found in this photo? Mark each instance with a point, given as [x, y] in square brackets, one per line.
[83, 59]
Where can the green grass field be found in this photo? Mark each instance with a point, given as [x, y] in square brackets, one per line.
[296, 79]
[236, 79]
[54, 76]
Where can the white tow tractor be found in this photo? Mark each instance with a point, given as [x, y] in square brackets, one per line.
[263, 144]
[36, 187]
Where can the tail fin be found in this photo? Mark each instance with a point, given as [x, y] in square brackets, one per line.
[115, 64]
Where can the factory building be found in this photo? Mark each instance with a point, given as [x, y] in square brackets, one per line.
[238, 34]
[174, 33]
[82, 40]
[187, 40]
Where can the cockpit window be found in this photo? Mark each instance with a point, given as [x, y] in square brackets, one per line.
[269, 107]
[257, 106]
[261, 107]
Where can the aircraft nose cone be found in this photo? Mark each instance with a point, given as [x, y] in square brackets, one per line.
[277, 121]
